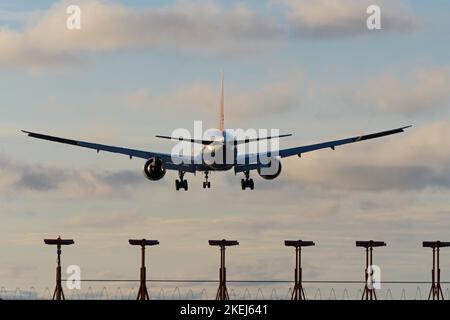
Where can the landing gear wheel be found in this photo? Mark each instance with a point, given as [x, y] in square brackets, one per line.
[247, 182]
[206, 183]
[181, 183]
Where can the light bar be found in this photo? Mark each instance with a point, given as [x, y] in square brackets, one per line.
[370, 243]
[435, 244]
[59, 241]
[143, 242]
[223, 243]
[298, 243]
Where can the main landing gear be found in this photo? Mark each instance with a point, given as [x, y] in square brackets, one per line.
[247, 183]
[206, 183]
[181, 184]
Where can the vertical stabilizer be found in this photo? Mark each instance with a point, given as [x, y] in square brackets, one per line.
[222, 116]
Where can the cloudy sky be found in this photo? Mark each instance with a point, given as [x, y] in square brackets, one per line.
[140, 68]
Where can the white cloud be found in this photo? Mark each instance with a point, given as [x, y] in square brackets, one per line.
[337, 18]
[411, 161]
[273, 98]
[416, 92]
[110, 26]
[29, 178]
[188, 26]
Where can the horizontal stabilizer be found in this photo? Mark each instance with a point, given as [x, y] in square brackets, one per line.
[236, 142]
[261, 138]
[204, 142]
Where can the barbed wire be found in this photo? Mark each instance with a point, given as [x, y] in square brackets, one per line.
[243, 293]
[252, 281]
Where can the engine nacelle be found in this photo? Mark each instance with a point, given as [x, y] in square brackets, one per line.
[154, 170]
[271, 172]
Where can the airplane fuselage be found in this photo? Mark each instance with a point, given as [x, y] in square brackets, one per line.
[218, 156]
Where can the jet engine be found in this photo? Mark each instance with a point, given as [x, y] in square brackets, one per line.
[272, 171]
[153, 169]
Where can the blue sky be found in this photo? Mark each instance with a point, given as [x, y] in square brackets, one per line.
[319, 76]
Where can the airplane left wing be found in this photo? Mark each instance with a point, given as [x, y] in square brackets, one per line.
[252, 162]
[167, 159]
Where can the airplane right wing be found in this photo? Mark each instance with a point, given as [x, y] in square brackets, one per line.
[249, 162]
[333, 144]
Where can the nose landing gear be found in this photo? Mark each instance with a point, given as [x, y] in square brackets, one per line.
[247, 182]
[206, 183]
[181, 184]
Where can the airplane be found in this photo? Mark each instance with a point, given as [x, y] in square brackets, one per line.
[221, 141]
